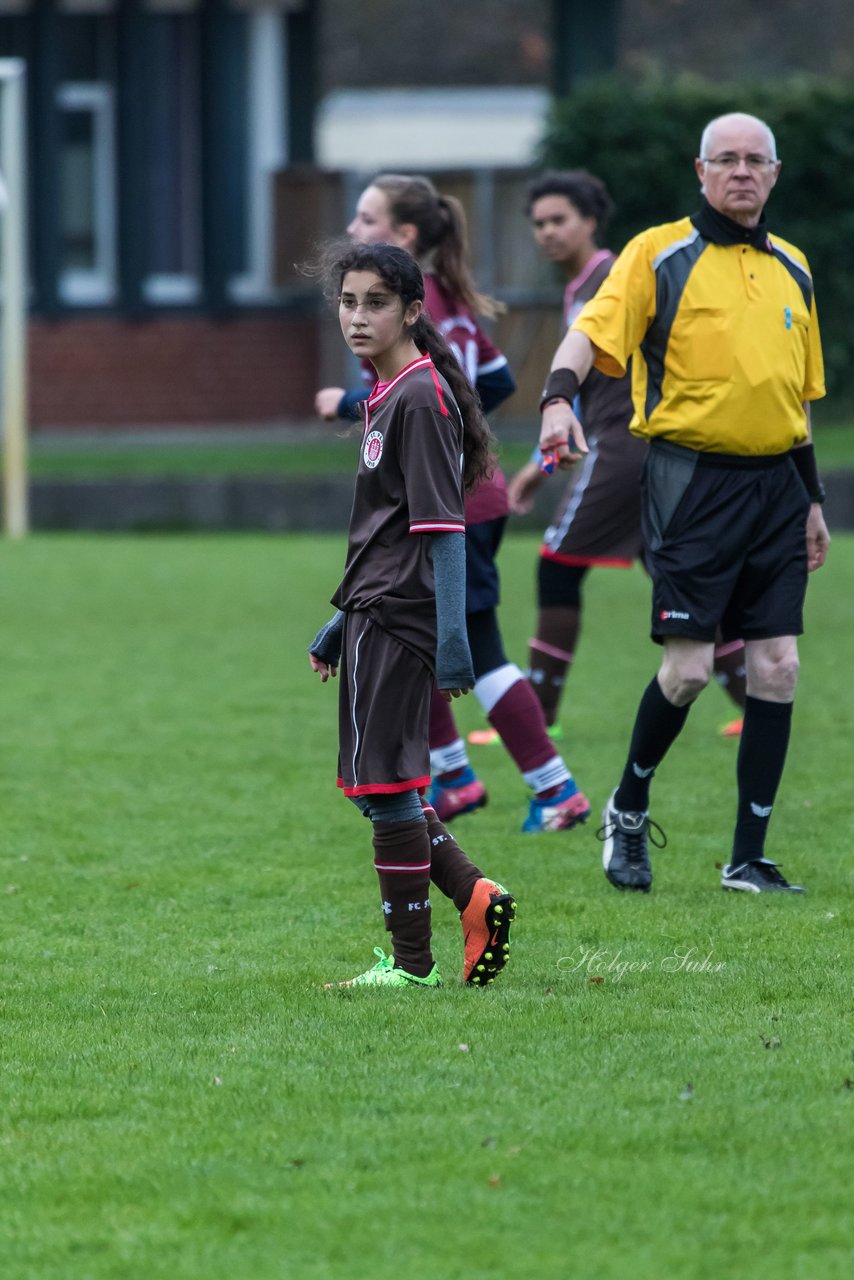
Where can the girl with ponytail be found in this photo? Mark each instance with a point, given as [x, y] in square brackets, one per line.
[409, 212]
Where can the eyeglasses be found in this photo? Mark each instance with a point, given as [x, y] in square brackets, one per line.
[729, 160]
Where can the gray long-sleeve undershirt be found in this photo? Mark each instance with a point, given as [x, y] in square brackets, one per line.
[454, 668]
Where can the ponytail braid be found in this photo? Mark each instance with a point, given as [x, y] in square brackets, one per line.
[442, 245]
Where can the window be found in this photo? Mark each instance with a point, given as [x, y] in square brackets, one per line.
[87, 232]
[86, 215]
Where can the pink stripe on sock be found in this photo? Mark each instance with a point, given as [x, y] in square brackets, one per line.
[405, 868]
[732, 647]
[550, 649]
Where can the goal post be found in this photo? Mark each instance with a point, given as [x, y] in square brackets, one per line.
[13, 284]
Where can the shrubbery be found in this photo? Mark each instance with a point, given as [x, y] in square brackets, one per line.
[642, 138]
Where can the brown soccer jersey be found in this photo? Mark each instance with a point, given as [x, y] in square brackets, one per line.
[597, 522]
[409, 483]
[606, 403]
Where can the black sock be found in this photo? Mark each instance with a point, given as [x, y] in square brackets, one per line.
[657, 726]
[761, 756]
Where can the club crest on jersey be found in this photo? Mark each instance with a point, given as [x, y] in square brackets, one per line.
[373, 449]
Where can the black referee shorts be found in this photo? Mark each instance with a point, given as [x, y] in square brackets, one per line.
[725, 544]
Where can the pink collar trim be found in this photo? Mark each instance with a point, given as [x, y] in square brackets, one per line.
[383, 388]
[601, 255]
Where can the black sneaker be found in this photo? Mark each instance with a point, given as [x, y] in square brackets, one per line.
[760, 876]
[624, 854]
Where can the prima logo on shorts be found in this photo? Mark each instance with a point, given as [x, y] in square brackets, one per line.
[673, 615]
[373, 449]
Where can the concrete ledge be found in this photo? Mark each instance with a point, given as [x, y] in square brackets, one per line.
[205, 504]
[280, 505]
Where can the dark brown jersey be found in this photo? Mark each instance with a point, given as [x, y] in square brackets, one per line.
[409, 483]
[606, 403]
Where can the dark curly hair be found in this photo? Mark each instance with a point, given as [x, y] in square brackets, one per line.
[587, 192]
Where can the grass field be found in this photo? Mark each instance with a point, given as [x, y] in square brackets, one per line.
[322, 452]
[658, 1087]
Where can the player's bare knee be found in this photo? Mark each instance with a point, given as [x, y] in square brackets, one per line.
[691, 685]
[683, 684]
[775, 677]
[772, 672]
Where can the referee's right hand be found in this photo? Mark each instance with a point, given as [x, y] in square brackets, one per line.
[562, 434]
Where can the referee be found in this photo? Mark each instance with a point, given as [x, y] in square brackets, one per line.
[720, 318]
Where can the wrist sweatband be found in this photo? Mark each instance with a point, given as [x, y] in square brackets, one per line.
[561, 384]
[804, 459]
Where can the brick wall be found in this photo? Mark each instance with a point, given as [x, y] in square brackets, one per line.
[108, 371]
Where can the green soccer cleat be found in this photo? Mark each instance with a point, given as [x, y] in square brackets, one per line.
[386, 974]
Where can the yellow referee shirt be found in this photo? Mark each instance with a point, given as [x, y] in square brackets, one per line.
[725, 339]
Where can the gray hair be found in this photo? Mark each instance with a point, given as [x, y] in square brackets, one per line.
[735, 115]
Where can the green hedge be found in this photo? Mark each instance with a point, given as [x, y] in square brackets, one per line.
[642, 138]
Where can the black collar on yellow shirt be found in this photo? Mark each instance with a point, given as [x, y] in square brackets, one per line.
[719, 229]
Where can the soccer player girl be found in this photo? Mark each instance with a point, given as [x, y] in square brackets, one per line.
[400, 625]
[411, 213]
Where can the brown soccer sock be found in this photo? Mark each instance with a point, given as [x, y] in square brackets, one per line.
[729, 670]
[550, 655]
[402, 861]
[452, 872]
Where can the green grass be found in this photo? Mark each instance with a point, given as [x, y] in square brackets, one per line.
[329, 453]
[178, 876]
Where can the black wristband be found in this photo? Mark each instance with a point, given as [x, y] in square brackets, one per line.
[561, 384]
[804, 459]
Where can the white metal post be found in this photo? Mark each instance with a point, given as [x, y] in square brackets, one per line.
[13, 325]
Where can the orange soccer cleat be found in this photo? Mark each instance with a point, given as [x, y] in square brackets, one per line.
[486, 925]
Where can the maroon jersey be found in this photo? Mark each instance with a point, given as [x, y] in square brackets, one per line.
[478, 355]
[409, 482]
[475, 351]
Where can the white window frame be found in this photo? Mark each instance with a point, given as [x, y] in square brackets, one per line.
[95, 286]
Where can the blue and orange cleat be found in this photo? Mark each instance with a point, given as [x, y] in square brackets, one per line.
[558, 813]
[462, 795]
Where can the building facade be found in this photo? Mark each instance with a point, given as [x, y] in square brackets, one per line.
[155, 129]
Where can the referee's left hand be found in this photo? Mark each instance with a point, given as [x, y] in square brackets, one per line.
[818, 538]
[448, 694]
